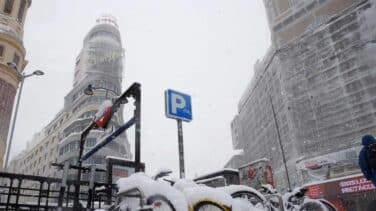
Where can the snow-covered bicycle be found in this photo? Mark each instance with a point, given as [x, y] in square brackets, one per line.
[297, 200]
[248, 194]
[142, 193]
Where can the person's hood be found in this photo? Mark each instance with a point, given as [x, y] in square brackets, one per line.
[367, 140]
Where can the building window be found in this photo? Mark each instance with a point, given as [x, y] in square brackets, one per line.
[21, 10]
[16, 59]
[1, 50]
[8, 6]
[292, 3]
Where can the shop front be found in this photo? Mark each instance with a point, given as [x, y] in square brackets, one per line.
[351, 193]
[256, 173]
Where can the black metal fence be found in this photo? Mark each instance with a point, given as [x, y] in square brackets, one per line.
[26, 192]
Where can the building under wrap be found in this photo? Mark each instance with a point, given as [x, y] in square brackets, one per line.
[322, 87]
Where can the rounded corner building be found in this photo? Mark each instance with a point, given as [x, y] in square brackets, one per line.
[99, 64]
[12, 50]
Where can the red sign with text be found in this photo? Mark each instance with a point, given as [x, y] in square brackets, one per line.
[331, 189]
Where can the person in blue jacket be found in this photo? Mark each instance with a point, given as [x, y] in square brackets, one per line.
[368, 172]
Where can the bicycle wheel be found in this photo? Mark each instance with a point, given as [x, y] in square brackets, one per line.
[312, 206]
[160, 203]
[208, 206]
[253, 198]
[328, 205]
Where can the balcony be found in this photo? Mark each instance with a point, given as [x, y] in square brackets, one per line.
[10, 26]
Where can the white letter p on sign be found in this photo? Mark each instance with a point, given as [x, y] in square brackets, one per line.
[175, 104]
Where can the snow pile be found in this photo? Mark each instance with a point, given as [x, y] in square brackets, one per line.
[118, 158]
[100, 188]
[269, 188]
[103, 108]
[195, 193]
[182, 184]
[162, 172]
[202, 193]
[240, 204]
[151, 187]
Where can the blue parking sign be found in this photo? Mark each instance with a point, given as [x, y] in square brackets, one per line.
[178, 105]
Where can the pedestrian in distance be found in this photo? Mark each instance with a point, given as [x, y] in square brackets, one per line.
[367, 158]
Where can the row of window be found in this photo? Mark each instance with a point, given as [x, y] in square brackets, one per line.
[95, 159]
[57, 124]
[105, 34]
[8, 7]
[88, 114]
[32, 167]
[298, 14]
[40, 150]
[89, 100]
[73, 146]
[90, 142]
[75, 127]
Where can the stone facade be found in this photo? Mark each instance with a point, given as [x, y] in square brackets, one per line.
[12, 19]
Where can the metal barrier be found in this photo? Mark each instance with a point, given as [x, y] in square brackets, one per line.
[27, 192]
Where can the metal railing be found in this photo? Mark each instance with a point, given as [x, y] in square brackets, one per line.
[27, 192]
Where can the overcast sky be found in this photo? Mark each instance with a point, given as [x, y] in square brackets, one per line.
[205, 48]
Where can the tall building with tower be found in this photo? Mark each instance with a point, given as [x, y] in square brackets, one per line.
[12, 19]
[99, 64]
[313, 95]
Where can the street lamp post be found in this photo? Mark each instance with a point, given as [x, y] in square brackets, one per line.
[22, 78]
[89, 90]
[280, 144]
[133, 91]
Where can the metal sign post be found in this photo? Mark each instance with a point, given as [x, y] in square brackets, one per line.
[181, 149]
[178, 106]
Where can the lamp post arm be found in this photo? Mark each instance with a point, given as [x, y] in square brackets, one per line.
[107, 90]
[23, 76]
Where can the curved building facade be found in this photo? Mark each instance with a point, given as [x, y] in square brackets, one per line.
[12, 19]
[100, 63]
